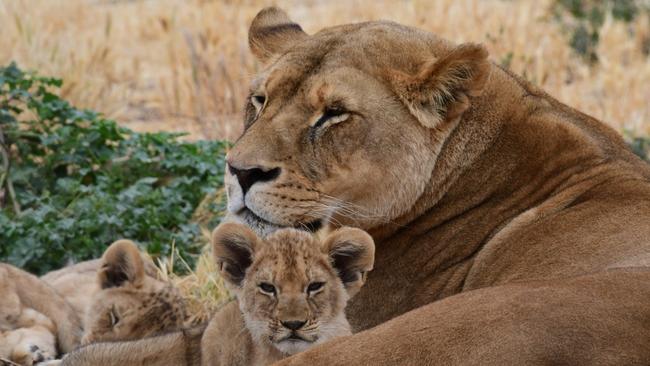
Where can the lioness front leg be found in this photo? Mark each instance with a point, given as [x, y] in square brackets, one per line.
[601, 319]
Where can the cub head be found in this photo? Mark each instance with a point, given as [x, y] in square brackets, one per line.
[291, 287]
[345, 126]
[132, 302]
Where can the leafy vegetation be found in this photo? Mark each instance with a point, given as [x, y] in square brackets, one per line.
[586, 17]
[71, 181]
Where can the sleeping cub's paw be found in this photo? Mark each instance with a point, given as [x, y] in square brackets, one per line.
[31, 354]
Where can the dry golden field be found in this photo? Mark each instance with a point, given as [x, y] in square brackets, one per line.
[184, 65]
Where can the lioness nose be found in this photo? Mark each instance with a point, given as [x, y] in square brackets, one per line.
[248, 177]
[294, 324]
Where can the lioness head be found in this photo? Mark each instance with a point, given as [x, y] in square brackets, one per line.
[344, 126]
[132, 303]
[292, 289]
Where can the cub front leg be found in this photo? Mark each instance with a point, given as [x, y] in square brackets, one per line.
[600, 319]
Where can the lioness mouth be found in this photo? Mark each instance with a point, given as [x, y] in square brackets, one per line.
[312, 226]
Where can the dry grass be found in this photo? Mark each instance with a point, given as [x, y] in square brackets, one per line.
[203, 288]
[184, 65]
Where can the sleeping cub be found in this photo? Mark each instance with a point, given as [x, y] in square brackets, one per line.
[291, 292]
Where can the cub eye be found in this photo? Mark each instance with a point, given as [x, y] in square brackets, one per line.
[258, 101]
[267, 288]
[114, 318]
[330, 116]
[315, 286]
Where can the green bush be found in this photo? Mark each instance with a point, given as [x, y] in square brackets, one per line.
[71, 181]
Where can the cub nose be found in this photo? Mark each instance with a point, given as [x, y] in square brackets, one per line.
[248, 177]
[294, 324]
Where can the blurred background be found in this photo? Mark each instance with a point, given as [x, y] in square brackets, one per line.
[184, 65]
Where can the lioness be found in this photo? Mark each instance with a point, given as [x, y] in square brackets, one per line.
[510, 228]
[291, 294]
[507, 224]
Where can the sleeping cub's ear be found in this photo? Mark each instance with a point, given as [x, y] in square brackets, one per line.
[233, 246]
[121, 265]
[352, 253]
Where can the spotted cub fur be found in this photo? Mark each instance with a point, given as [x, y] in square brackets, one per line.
[130, 304]
[291, 291]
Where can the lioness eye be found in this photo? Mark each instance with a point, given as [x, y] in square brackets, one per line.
[315, 286]
[267, 287]
[258, 101]
[331, 116]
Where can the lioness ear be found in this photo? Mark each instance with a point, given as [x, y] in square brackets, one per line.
[271, 32]
[440, 91]
[121, 265]
[352, 253]
[233, 246]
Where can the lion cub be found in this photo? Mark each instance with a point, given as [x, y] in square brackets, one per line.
[34, 319]
[291, 291]
[130, 303]
[27, 336]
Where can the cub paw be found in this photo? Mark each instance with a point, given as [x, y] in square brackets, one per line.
[31, 354]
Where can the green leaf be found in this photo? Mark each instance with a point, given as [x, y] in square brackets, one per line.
[83, 181]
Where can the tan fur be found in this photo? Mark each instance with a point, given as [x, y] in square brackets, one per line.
[34, 319]
[130, 304]
[251, 331]
[143, 304]
[29, 339]
[468, 177]
[78, 283]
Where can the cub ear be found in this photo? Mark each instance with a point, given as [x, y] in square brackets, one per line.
[440, 91]
[122, 264]
[271, 32]
[352, 254]
[233, 246]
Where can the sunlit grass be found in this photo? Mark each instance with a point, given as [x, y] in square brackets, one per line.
[184, 65]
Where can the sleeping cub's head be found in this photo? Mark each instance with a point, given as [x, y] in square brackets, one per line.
[292, 288]
[132, 302]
